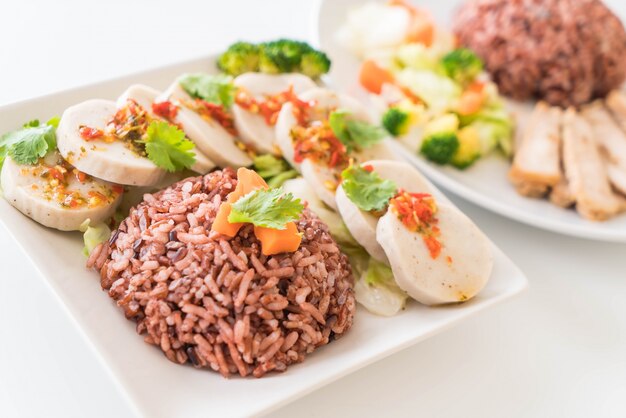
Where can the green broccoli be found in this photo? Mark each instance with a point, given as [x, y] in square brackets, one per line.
[396, 121]
[314, 63]
[440, 147]
[461, 65]
[283, 55]
[239, 58]
[469, 148]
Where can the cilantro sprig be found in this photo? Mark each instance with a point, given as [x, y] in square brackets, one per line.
[29, 144]
[218, 89]
[168, 148]
[354, 134]
[366, 189]
[271, 208]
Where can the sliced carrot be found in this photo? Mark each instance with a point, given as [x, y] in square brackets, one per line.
[275, 241]
[372, 76]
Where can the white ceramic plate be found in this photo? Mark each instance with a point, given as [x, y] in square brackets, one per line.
[485, 183]
[156, 387]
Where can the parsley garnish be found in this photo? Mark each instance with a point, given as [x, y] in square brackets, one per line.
[29, 144]
[354, 134]
[218, 89]
[168, 148]
[271, 208]
[366, 189]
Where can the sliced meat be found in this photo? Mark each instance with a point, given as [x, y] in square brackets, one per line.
[536, 166]
[616, 102]
[456, 275]
[208, 135]
[585, 170]
[611, 141]
[37, 192]
[561, 194]
[362, 224]
[252, 128]
[110, 161]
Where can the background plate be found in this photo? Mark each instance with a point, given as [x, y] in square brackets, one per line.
[141, 371]
[485, 183]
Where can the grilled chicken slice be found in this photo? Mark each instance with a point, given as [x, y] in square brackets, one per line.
[585, 170]
[616, 102]
[611, 141]
[561, 194]
[536, 166]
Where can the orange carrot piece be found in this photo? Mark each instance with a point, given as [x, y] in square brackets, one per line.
[421, 28]
[275, 241]
[372, 76]
[470, 102]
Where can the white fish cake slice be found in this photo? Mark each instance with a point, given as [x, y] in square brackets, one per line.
[327, 100]
[110, 161]
[440, 280]
[30, 191]
[145, 96]
[322, 180]
[252, 127]
[362, 224]
[208, 135]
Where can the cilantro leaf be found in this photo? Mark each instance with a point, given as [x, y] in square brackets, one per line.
[29, 144]
[168, 148]
[354, 134]
[271, 208]
[218, 89]
[366, 189]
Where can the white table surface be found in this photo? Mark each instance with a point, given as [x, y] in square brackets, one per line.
[557, 350]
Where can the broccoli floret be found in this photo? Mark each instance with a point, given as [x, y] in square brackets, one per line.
[462, 65]
[469, 148]
[239, 58]
[440, 147]
[396, 121]
[314, 63]
[283, 55]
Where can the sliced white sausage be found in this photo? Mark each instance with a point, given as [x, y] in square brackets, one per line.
[362, 224]
[208, 135]
[322, 180]
[441, 280]
[36, 195]
[110, 161]
[145, 96]
[252, 128]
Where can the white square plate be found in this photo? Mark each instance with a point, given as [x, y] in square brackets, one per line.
[485, 183]
[156, 387]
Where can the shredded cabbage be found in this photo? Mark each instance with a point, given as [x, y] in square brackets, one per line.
[437, 91]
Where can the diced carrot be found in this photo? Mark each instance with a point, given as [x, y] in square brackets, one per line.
[372, 76]
[247, 181]
[275, 241]
[470, 102]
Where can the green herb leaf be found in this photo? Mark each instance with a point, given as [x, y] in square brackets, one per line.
[275, 171]
[366, 189]
[271, 208]
[29, 144]
[354, 134]
[168, 148]
[218, 89]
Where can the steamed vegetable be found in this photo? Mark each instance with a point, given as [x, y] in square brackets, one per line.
[366, 189]
[440, 147]
[239, 58]
[469, 149]
[396, 121]
[439, 92]
[372, 76]
[93, 235]
[274, 57]
[462, 65]
[376, 289]
[274, 170]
